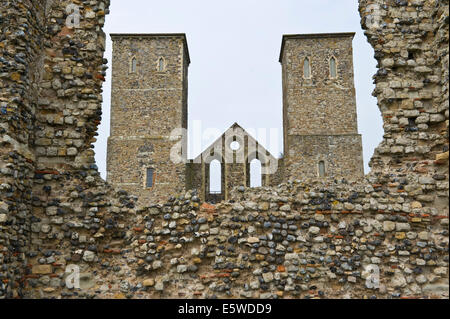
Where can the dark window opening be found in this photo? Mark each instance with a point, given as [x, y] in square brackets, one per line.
[150, 177]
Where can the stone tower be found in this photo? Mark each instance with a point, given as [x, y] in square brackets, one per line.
[148, 101]
[321, 137]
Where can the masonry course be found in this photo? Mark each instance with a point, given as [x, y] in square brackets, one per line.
[300, 239]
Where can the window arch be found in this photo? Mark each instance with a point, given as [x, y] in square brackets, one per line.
[322, 169]
[161, 64]
[333, 68]
[306, 68]
[133, 65]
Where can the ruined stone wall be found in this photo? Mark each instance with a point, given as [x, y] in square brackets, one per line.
[302, 239]
[292, 241]
[319, 109]
[410, 39]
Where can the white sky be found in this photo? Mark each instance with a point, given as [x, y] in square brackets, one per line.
[234, 47]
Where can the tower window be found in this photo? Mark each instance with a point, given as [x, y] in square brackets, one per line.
[161, 65]
[306, 68]
[333, 67]
[321, 169]
[215, 177]
[133, 65]
[150, 177]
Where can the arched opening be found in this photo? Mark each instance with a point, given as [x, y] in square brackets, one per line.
[133, 65]
[215, 177]
[255, 173]
[333, 71]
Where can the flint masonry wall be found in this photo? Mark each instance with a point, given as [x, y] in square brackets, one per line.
[302, 239]
[52, 198]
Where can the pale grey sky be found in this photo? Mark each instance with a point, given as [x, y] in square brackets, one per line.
[234, 46]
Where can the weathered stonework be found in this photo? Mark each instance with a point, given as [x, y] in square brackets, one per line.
[301, 239]
[147, 104]
[319, 108]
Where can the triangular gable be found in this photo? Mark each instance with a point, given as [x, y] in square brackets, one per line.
[220, 148]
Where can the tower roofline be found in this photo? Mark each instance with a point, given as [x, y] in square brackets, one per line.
[312, 36]
[115, 36]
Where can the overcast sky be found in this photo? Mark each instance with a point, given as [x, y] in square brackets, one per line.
[234, 47]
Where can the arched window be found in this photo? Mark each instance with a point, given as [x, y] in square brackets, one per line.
[306, 68]
[161, 65]
[321, 169]
[133, 65]
[215, 177]
[255, 173]
[333, 67]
